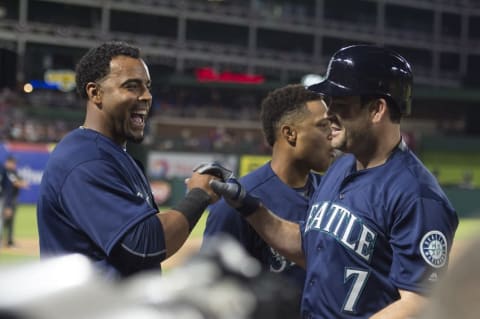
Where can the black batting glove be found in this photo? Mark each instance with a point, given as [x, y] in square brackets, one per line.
[236, 196]
[215, 169]
[229, 187]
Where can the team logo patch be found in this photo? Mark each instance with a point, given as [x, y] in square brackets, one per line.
[433, 247]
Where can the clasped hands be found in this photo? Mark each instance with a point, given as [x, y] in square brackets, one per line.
[228, 186]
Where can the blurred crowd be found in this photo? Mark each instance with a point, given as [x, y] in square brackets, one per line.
[212, 139]
[17, 125]
[207, 103]
[46, 116]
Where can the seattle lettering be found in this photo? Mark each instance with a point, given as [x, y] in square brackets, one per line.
[345, 227]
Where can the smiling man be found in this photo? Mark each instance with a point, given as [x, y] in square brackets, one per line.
[94, 197]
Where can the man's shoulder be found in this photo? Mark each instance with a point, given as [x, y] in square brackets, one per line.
[409, 170]
[82, 145]
[258, 177]
[341, 164]
[70, 148]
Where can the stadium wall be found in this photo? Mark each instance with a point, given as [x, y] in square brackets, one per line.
[167, 172]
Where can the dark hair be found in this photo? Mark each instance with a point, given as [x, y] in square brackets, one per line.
[283, 102]
[394, 110]
[95, 64]
[11, 158]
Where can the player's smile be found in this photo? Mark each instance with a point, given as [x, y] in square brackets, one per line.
[137, 118]
[335, 126]
[335, 130]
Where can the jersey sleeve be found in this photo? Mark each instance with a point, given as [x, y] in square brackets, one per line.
[421, 238]
[102, 203]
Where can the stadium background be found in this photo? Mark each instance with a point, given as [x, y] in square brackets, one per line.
[213, 61]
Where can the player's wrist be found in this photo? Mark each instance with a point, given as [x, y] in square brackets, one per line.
[248, 205]
[193, 205]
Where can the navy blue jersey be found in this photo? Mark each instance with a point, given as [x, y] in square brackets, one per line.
[9, 189]
[372, 232]
[288, 203]
[91, 193]
[3, 180]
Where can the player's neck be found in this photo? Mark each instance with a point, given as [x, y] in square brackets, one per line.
[380, 151]
[97, 122]
[289, 172]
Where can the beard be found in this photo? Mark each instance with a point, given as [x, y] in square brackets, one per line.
[354, 140]
[136, 139]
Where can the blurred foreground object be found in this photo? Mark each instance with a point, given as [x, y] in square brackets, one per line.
[220, 282]
[457, 296]
[63, 286]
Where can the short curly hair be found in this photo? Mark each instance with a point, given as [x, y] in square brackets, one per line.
[284, 104]
[95, 64]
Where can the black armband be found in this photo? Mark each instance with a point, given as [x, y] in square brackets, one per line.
[193, 205]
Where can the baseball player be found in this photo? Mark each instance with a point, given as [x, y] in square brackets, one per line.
[12, 184]
[295, 126]
[379, 228]
[94, 197]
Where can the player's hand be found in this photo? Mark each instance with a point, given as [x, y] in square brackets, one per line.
[236, 196]
[208, 171]
[202, 181]
[215, 169]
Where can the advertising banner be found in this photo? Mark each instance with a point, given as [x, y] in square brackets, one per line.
[31, 162]
[250, 162]
[162, 165]
[167, 172]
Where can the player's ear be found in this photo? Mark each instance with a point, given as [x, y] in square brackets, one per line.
[94, 93]
[378, 109]
[289, 133]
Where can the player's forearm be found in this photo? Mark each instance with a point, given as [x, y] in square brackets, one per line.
[179, 221]
[176, 230]
[282, 235]
[409, 305]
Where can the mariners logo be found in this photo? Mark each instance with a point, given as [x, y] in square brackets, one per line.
[434, 248]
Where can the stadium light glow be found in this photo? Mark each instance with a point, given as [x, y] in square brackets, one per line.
[28, 88]
[310, 79]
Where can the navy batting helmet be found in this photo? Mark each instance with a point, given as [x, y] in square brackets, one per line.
[368, 70]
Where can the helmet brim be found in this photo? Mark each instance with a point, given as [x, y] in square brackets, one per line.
[329, 88]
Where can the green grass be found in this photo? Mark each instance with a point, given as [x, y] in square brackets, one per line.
[26, 222]
[26, 228]
[197, 231]
[451, 167]
[9, 258]
[468, 228]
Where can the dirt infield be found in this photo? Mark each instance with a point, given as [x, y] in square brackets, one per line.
[459, 246]
[29, 247]
[25, 247]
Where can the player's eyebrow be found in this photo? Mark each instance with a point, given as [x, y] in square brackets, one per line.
[322, 122]
[325, 119]
[137, 81]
